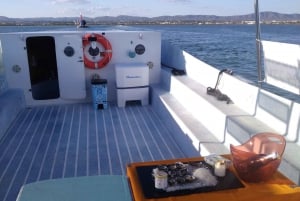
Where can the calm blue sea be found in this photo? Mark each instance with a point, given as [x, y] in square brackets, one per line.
[222, 46]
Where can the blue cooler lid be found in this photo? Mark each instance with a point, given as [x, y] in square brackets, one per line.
[98, 81]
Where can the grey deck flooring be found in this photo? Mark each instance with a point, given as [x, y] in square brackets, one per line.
[48, 142]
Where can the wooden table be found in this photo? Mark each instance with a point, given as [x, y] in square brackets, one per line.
[278, 188]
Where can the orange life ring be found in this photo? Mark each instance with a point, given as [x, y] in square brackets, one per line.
[97, 51]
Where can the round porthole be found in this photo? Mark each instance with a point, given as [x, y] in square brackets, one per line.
[140, 49]
[69, 51]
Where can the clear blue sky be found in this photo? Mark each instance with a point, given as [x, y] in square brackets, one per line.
[147, 8]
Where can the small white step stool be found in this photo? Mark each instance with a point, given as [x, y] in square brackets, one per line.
[125, 95]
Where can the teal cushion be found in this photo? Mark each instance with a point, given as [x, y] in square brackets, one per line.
[92, 188]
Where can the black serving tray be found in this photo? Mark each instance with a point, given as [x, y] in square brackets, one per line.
[230, 181]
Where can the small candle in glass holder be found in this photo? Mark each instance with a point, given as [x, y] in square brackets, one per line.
[220, 169]
[160, 179]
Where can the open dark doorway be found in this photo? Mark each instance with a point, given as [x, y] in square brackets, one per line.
[42, 67]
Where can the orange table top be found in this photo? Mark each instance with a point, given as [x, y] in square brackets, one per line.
[278, 188]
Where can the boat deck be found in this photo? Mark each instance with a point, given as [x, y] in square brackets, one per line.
[48, 142]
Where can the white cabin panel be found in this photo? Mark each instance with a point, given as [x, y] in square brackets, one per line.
[15, 62]
[70, 66]
[73, 78]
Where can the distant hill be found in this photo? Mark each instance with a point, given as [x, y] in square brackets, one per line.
[265, 17]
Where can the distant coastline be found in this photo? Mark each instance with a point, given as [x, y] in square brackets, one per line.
[266, 18]
[66, 23]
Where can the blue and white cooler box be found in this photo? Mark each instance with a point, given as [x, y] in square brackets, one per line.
[99, 93]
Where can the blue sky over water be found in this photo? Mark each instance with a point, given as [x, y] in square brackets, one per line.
[146, 8]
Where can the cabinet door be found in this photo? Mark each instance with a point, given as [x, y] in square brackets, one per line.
[71, 73]
[42, 67]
